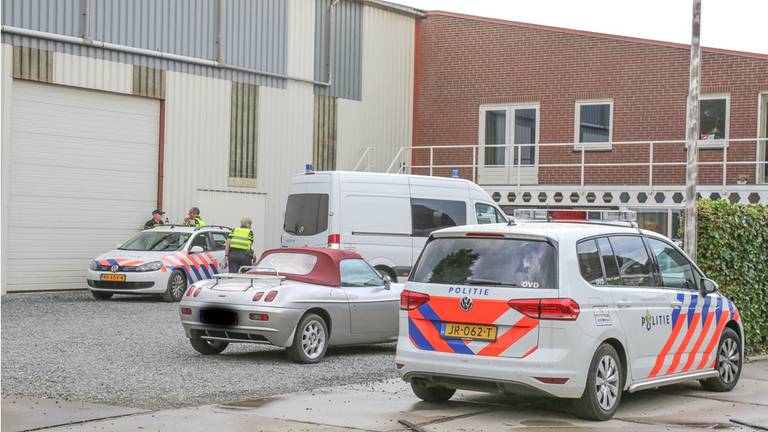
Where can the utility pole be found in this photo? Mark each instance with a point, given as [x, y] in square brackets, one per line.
[691, 135]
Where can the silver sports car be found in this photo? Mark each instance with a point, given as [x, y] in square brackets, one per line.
[303, 299]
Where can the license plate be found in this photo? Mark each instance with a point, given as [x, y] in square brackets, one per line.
[469, 331]
[113, 277]
[218, 317]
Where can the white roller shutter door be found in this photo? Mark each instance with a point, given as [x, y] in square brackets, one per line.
[83, 178]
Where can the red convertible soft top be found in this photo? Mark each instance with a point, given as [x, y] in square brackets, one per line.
[326, 269]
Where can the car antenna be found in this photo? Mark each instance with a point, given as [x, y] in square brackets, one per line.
[511, 221]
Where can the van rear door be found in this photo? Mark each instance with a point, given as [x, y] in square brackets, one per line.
[483, 295]
[306, 221]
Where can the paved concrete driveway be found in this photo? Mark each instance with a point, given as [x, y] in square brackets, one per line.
[382, 405]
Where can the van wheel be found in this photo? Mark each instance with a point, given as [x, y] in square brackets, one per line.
[728, 363]
[603, 392]
[387, 273]
[431, 393]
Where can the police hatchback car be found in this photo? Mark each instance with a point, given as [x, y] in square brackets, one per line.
[162, 260]
[565, 308]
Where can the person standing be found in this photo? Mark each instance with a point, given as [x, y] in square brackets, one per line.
[157, 219]
[238, 252]
[193, 218]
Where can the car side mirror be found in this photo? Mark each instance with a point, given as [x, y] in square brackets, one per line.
[708, 286]
[387, 283]
[195, 249]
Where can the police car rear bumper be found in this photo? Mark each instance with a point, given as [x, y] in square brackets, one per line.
[154, 282]
[516, 375]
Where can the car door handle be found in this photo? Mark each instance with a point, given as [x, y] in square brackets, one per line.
[676, 304]
[623, 303]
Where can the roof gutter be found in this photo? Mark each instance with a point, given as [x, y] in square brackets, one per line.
[74, 40]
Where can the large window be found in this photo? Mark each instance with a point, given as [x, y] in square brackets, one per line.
[488, 262]
[713, 119]
[429, 215]
[243, 136]
[306, 214]
[495, 134]
[594, 123]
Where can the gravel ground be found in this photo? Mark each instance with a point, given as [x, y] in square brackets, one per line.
[132, 351]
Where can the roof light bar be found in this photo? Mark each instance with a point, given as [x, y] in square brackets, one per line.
[572, 215]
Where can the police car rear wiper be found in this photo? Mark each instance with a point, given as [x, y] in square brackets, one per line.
[473, 281]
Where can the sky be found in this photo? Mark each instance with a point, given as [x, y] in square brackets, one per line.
[740, 25]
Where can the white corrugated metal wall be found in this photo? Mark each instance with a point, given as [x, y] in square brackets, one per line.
[197, 117]
[383, 118]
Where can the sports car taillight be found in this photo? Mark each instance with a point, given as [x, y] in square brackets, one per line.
[270, 296]
[257, 296]
[411, 300]
[196, 293]
[189, 292]
[547, 309]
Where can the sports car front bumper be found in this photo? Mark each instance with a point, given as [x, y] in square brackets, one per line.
[278, 330]
[152, 282]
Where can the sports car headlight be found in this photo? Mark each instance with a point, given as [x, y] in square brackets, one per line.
[150, 266]
[93, 265]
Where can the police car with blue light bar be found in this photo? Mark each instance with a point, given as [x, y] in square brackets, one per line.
[567, 303]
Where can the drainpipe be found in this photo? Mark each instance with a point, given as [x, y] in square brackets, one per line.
[328, 46]
[85, 19]
[152, 53]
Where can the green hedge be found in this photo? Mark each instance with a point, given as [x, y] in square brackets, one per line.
[733, 251]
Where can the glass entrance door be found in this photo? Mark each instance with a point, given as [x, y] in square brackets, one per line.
[502, 163]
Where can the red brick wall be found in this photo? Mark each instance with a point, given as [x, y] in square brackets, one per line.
[465, 63]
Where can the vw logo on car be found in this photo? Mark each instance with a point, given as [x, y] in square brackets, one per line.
[114, 268]
[466, 304]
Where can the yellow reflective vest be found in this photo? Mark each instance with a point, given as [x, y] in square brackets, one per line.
[241, 238]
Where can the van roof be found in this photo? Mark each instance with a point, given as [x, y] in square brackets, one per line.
[551, 230]
[382, 176]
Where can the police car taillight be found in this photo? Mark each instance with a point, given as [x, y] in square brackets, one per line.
[411, 300]
[547, 309]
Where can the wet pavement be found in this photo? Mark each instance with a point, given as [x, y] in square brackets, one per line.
[381, 406]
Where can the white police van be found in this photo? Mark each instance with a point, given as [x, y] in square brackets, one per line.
[564, 307]
[386, 218]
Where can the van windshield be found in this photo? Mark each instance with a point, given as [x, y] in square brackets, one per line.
[306, 214]
[488, 261]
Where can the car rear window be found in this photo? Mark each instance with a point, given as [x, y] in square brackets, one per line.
[488, 261]
[306, 214]
[293, 263]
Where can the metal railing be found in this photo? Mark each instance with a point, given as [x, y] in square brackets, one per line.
[609, 155]
[365, 157]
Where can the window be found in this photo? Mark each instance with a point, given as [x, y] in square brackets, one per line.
[675, 270]
[489, 262]
[156, 241]
[306, 214]
[651, 220]
[589, 262]
[219, 240]
[202, 241]
[635, 265]
[357, 273]
[294, 263]
[243, 136]
[324, 133]
[487, 214]
[610, 265]
[428, 215]
[495, 134]
[594, 128]
[713, 120]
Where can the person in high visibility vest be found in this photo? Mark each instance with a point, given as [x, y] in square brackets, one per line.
[193, 218]
[238, 252]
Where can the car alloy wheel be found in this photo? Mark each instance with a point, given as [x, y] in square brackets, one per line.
[607, 383]
[313, 340]
[728, 361]
[177, 285]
